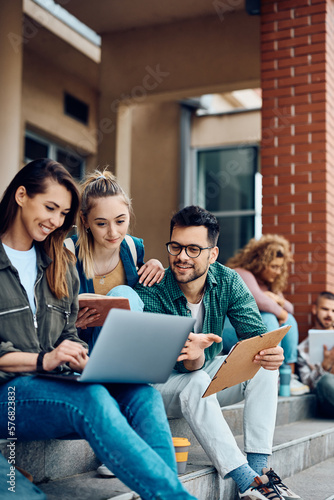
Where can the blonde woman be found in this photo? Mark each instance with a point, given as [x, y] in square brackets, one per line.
[264, 266]
[107, 257]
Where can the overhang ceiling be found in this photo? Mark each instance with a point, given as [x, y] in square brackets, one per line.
[50, 47]
[118, 15]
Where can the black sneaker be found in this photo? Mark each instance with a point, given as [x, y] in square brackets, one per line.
[263, 489]
[284, 490]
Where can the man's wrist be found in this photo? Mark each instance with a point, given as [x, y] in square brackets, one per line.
[194, 364]
[326, 366]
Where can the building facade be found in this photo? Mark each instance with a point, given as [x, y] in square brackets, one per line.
[132, 103]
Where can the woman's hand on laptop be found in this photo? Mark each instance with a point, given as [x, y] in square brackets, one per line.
[192, 353]
[67, 352]
[85, 317]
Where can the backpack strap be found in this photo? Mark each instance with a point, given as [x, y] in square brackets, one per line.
[132, 247]
[69, 244]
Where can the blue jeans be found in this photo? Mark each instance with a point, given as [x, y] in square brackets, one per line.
[289, 342]
[136, 304]
[125, 424]
[22, 487]
[325, 395]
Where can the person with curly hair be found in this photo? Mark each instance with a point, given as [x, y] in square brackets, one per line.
[263, 264]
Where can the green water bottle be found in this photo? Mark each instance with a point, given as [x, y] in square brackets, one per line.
[284, 380]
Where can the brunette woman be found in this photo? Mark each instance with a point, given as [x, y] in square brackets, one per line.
[125, 424]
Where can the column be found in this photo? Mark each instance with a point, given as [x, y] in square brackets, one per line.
[11, 49]
[297, 59]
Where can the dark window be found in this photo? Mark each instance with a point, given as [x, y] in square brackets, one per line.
[227, 188]
[235, 232]
[34, 149]
[73, 163]
[42, 148]
[76, 108]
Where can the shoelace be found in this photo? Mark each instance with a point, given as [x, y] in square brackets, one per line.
[274, 494]
[275, 479]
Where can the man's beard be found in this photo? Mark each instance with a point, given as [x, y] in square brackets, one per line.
[324, 326]
[194, 275]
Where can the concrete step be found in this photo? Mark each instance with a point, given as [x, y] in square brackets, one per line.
[55, 459]
[297, 446]
[315, 483]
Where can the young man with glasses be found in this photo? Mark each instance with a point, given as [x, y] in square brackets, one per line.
[196, 285]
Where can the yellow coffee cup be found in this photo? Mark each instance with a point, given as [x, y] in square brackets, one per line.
[181, 446]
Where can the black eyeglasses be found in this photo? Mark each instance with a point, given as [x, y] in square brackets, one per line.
[192, 251]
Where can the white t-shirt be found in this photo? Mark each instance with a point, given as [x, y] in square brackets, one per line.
[25, 261]
[197, 312]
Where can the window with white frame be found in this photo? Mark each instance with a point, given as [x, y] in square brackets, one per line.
[36, 146]
[230, 186]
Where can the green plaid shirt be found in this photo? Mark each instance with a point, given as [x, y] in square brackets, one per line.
[226, 294]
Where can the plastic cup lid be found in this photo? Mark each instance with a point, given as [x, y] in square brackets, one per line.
[178, 441]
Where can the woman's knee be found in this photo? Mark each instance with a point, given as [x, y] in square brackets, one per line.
[270, 320]
[92, 396]
[136, 304]
[230, 337]
[290, 341]
[143, 394]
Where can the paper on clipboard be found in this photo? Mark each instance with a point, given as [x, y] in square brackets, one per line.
[238, 365]
[317, 340]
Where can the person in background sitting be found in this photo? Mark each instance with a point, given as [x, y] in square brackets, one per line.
[263, 264]
[320, 377]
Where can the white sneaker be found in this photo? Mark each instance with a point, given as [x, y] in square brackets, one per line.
[296, 387]
[103, 471]
[262, 488]
[284, 490]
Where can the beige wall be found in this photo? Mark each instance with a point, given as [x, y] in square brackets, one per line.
[186, 59]
[219, 130]
[10, 85]
[42, 105]
[155, 162]
[155, 173]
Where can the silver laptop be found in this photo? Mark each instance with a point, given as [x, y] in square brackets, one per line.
[135, 347]
[317, 340]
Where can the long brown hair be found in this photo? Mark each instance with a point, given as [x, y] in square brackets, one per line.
[258, 254]
[33, 177]
[95, 185]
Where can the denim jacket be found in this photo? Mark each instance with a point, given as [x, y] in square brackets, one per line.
[54, 321]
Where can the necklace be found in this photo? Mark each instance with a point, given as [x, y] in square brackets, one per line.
[199, 298]
[109, 268]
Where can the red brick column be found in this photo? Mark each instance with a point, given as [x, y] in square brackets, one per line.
[297, 57]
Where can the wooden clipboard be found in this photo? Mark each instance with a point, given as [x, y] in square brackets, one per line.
[238, 365]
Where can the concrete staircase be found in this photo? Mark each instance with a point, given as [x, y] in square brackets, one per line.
[303, 453]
